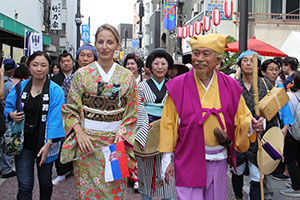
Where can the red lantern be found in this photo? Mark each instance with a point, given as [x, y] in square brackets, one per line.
[179, 32]
[184, 32]
[206, 23]
[216, 16]
[197, 27]
[191, 30]
[228, 8]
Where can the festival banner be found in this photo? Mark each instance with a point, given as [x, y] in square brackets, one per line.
[34, 42]
[169, 15]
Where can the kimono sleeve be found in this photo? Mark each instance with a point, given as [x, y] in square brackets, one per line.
[55, 127]
[142, 120]
[242, 121]
[72, 111]
[10, 103]
[127, 128]
[168, 127]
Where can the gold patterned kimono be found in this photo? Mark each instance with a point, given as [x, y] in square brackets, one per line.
[104, 110]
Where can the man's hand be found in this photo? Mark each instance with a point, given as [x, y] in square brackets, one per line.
[169, 173]
[257, 125]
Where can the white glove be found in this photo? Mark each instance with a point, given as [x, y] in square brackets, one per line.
[165, 161]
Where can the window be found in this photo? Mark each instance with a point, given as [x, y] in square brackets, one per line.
[276, 6]
[64, 3]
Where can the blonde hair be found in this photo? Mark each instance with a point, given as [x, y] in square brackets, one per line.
[109, 28]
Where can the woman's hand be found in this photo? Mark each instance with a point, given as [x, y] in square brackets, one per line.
[16, 116]
[84, 141]
[43, 153]
[118, 139]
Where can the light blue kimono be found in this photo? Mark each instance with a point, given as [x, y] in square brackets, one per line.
[285, 112]
[54, 123]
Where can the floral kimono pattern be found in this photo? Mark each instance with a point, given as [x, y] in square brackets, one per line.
[88, 89]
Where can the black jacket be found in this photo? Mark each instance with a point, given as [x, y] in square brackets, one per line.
[58, 78]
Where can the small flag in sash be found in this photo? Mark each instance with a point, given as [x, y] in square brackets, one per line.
[115, 162]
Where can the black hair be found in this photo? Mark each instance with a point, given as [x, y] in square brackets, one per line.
[138, 61]
[265, 64]
[292, 61]
[64, 54]
[159, 53]
[38, 53]
[52, 66]
[22, 72]
[130, 56]
[296, 79]
[23, 59]
[278, 60]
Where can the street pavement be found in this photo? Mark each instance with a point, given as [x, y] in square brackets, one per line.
[65, 190]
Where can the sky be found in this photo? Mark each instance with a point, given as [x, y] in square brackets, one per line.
[113, 12]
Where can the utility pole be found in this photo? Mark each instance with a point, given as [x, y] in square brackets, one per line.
[78, 23]
[141, 15]
[126, 36]
[243, 29]
[179, 21]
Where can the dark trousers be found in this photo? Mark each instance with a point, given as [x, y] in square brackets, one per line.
[62, 169]
[238, 183]
[25, 175]
[292, 159]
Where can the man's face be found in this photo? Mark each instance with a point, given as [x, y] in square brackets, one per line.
[204, 61]
[247, 64]
[286, 68]
[271, 72]
[66, 64]
[85, 58]
[173, 72]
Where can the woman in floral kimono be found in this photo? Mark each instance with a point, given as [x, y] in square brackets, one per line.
[152, 96]
[101, 110]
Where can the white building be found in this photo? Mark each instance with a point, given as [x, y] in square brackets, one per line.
[68, 34]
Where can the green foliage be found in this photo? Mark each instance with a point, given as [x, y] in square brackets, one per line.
[229, 59]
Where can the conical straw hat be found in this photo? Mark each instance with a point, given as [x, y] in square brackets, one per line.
[275, 138]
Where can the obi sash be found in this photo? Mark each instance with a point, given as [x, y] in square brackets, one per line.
[103, 112]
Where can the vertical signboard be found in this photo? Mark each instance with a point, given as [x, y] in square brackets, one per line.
[85, 33]
[55, 16]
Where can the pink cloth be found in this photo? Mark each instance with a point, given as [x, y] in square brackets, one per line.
[216, 177]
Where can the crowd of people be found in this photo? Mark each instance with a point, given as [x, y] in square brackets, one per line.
[75, 108]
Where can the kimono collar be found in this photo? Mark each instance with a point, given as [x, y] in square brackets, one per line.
[106, 76]
[158, 85]
[211, 79]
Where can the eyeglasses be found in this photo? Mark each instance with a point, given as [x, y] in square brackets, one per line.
[273, 69]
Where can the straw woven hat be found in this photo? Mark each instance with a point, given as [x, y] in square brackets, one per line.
[274, 137]
[152, 143]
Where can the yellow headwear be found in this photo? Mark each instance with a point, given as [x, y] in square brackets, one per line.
[216, 42]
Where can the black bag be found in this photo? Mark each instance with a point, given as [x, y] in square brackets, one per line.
[2, 119]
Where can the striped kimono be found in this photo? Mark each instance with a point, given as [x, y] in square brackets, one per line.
[151, 100]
